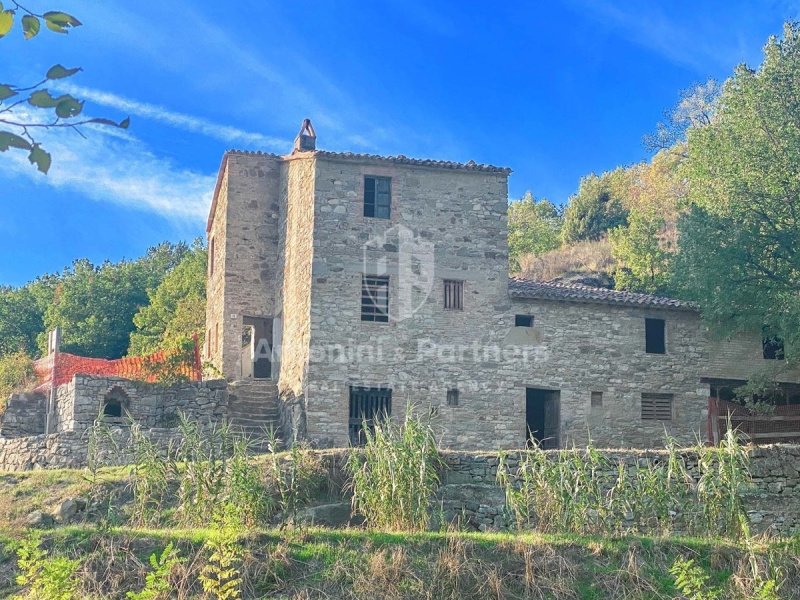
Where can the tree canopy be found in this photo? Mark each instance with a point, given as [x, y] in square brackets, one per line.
[534, 227]
[176, 307]
[739, 243]
[595, 208]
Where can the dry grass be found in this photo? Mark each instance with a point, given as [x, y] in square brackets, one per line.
[588, 257]
[366, 565]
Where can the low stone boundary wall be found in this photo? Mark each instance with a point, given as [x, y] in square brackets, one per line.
[69, 449]
[469, 489]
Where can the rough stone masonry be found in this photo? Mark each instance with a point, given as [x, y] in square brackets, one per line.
[365, 284]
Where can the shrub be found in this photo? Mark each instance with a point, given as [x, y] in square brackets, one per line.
[157, 584]
[397, 473]
[46, 578]
[16, 375]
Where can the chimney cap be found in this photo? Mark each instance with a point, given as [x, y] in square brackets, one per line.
[306, 140]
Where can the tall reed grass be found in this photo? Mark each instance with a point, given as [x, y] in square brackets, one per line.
[396, 474]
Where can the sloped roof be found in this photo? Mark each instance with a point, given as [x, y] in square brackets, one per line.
[420, 162]
[572, 292]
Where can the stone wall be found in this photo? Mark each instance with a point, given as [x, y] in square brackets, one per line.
[445, 224]
[741, 356]
[24, 415]
[150, 405]
[579, 348]
[155, 408]
[469, 485]
[69, 449]
[248, 266]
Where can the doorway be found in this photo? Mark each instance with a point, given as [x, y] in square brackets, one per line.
[257, 347]
[542, 417]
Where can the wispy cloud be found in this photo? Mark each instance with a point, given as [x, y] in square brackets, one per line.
[173, 118]
[110, 168]
[698, 43]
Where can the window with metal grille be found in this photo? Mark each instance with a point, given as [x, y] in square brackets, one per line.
[374, 299]
[655, 340]
[656, 407]
[377, 197]
[597, 399]
[453, 294]
[523, 320]
[367, 406]
[452, 397]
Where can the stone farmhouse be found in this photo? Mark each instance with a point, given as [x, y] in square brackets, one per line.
[342, 287]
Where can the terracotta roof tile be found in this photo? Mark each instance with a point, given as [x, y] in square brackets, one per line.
[571, 292]
[422, 162]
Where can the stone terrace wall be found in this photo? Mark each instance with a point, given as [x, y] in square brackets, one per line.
[150, 405]
[24, 415]
[469, 491]
[69, 449]
[469, 487]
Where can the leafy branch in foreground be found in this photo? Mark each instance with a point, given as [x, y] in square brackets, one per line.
[19, 123]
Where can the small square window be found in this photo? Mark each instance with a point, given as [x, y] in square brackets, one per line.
[377, 197]
[375, 299]
[597, 399]
[656, 407]
[655, 340]
[523, 320]
[772, 348]
[452, 397]
[453, 294]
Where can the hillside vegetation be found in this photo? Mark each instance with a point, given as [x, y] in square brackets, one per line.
[208, 521]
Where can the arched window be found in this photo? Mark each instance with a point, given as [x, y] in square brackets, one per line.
[115, 404]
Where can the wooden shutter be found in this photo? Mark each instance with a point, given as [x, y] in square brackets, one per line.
[657, 407]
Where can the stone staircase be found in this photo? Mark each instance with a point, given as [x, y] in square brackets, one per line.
[253, 409]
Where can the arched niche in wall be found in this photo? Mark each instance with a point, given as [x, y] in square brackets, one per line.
[116, 405]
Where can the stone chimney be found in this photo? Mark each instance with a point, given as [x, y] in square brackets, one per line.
[306, 140]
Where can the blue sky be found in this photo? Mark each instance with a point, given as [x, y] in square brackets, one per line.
[553, 90]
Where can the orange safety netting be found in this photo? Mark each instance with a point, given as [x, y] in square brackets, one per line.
[141, 368]
[779, 425]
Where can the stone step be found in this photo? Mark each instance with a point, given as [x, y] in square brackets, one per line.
[252, 420]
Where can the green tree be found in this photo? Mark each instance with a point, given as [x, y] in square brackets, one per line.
[643, 262]
[738, 246]
[62, 111]
[595, 208]
[534, 227]
[20, 320]
[95, 305]
[177, 307]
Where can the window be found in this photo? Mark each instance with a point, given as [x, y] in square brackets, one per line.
[375, 299]
[772, 348]
[115, 404]
[523, 320]
[367, 405]
[452, 397]
[216, 337]
[211, 255]
[656, 407]
[377, 197]
[453, 294]
[655, 342]
[597, 399]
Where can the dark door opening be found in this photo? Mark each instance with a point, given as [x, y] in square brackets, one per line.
[260, 342]
[367, 405]
[542, 418]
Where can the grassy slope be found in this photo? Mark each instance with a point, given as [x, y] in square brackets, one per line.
[319, 563]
